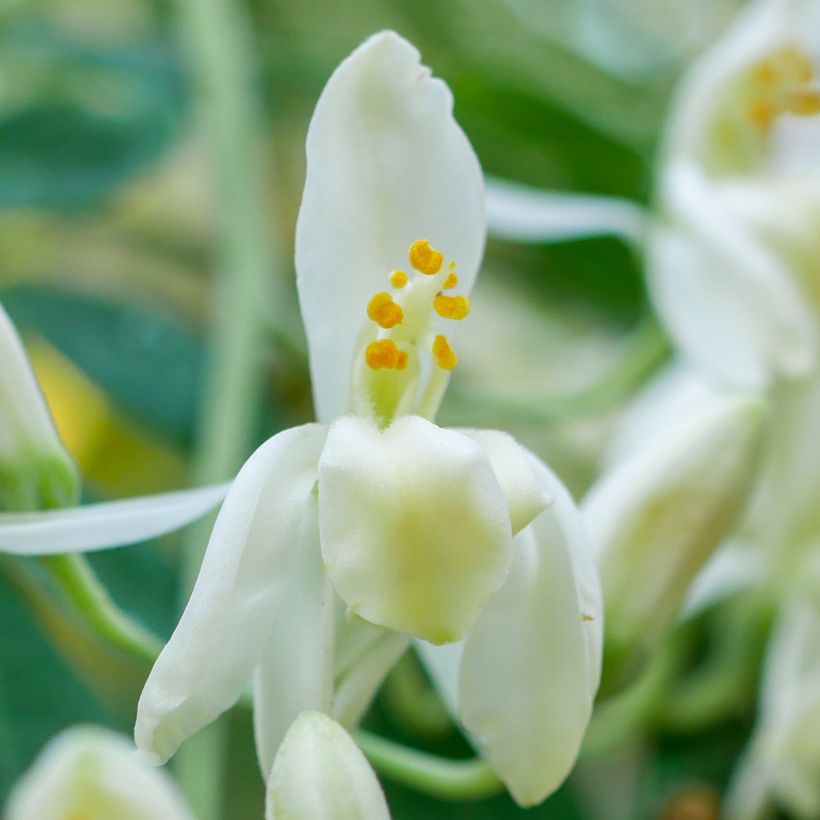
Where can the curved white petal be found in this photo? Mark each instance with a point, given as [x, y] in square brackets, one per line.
[532, 663]
[414, 526]
[226, 623]
[511, 463]
[108, 524]
[729, 301]
[91, 772]
[295, 672]
[656, 518]
[321, 774]
[386, 165]
[523, 214]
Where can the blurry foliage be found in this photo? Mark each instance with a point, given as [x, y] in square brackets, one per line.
[106, 221]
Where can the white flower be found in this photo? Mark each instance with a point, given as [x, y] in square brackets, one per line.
[782, 762]
[93, 773]
[660, 513]
[732, 261]
[340, 540]
[319, 773]
[35, 469]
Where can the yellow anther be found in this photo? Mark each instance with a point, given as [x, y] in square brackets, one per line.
[804, 103]
[445, 358]
[452, 265]
[384, 311]
[762, 114]
[383, 354]
[450, 282]
[398, 279]
[766, 73]
[451, 307]
[424, 259]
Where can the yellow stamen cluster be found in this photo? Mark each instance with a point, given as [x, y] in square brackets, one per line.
[450, 282]
[398, 279]
[384, 355]
[424, 259]
[444, 355]
[780, 85]
[451, 307]
[384, 311]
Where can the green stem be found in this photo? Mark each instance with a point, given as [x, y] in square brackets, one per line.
[217, 36]
[646, 350]
[436, 776]
[93, 605]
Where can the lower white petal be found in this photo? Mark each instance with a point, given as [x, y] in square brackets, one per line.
[532, 663]
[222, 632]
[415, 528]
[108, 524]
[91, 772]
[321, 774]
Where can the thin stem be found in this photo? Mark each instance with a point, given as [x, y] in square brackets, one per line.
[436, 776]
[93, 605]
[217, 36]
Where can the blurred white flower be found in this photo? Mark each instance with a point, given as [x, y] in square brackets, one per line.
[782, 762]
[658, 515]
[95, 774]
[319, 773]
[732, 260]
[340, 540]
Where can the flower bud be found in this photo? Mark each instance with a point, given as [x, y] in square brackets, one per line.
[93, 773]
[36, 472]
[655, 519]
[320, 774]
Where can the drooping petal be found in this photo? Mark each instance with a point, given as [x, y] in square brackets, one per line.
[415, 528]
[226, 624]
[108, 524]
[386, 165]
[532, 663]
[295, 672]
[93, 773]
[321, 774]
[511, 463]
[522, 214]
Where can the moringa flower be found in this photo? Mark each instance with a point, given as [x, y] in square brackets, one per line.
[95, 774]
[340, 540]
[732, 261]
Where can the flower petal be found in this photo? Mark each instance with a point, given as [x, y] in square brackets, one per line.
[295, 672]
[226, 624]
[321, 774]
[386, 165]
[523, 214]
[512, 466]
[109, 524]
[532, 663]
[415, 529]
[88, 771]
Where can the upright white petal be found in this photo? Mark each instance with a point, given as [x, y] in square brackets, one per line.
[295, 672]
[320, 774]
[415, 529]
[657, 517]
[386, 165]
[532, 663]
[35, 469]
[108, 524]
[95, 774]
[221, 635]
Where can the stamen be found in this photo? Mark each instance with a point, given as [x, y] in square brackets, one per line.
[804, 103]
[445, 358]
[451, 307]
[383, 354]
[384, 311]
[398, 279]
[424, 259]
[450, 282]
